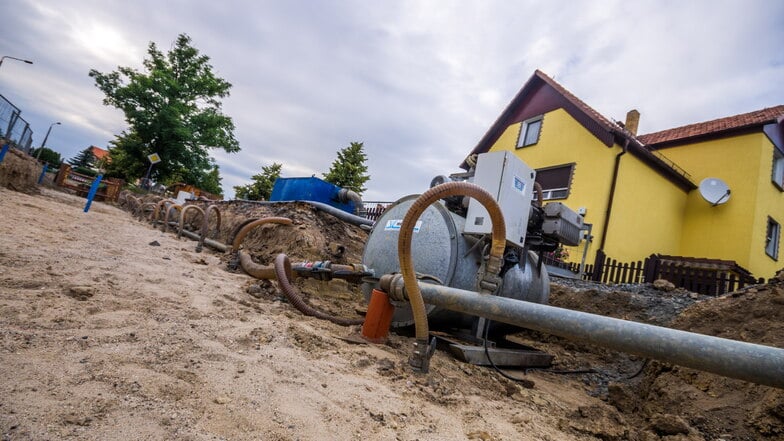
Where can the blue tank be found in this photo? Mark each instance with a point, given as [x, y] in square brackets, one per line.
[309, 189]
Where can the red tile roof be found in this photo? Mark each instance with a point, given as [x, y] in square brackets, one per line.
[98, 152]
[727, 124]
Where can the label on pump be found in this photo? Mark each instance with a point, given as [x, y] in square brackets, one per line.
[395, 224]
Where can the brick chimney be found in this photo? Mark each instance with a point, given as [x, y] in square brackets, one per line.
[632, 121]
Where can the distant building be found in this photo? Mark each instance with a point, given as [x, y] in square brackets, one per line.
[100, 154]
[640, 193]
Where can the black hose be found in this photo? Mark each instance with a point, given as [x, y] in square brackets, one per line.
[283, 274]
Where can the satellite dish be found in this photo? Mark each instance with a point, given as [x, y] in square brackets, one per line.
[715, 191]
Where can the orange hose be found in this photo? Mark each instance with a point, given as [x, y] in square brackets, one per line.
[498, 243]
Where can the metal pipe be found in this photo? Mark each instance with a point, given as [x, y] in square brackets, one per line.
[611, 196]
[209, 242]
[338, 213]
[730, 358]
[345, 195]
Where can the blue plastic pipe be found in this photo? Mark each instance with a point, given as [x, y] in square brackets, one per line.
[43, 173]
[93, 190]
[3, 152]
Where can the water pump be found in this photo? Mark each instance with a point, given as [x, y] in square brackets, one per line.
[451, 238]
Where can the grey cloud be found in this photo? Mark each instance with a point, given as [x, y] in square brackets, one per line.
[419, 82]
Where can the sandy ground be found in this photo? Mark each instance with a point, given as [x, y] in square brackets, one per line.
[107, 336]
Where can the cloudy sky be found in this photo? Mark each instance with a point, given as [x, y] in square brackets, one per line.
[419, 82]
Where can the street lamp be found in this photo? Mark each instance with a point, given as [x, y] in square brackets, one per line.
[38, 155]
[14, 58]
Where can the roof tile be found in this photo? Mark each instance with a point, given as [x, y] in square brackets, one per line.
[751, 119]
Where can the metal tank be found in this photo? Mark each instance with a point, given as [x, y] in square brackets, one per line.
[443, 255]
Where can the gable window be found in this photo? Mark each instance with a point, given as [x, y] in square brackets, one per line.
[555, 181]
[772, 239]
[529, 132]
[778, 169]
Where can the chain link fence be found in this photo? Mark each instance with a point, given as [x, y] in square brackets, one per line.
[14, 127]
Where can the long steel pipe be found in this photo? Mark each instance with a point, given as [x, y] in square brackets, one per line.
[730, 358]
[209, 242]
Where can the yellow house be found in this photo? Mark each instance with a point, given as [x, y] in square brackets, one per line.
[746, 152]
[640, 194]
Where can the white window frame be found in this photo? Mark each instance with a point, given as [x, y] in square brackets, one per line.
[555, 193]
[772, 237]
[777, 174]
[523, 139]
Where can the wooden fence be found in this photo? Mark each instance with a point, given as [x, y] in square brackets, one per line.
[374, 213]
[704, 276]
[109, 190]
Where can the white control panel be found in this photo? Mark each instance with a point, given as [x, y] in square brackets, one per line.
[511, 182]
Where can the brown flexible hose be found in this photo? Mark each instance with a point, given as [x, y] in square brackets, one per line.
[205, 226]
[235, 245]
[146, 205]
[254, 269]
[177, 207]
[154, 215]
[498, 242]
[283, 274]
[184, 213]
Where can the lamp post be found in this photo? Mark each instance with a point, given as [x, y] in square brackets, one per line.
[14, 58]
[38, 155]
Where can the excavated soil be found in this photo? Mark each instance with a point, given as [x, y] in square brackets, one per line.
[111, 329]
[19, 171]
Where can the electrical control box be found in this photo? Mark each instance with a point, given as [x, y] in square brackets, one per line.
[562, 222]
[511, 183]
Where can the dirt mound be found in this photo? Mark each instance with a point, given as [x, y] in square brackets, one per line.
[663, 401]
[714, 405]
[19, 172]
[314, 235]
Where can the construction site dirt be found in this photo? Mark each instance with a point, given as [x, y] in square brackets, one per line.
[111, 329]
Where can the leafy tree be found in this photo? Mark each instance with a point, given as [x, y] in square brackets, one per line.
[47, 155]
[173, 108]
[212, 181]
[85, 159]
[125, 151]
[349, 169]
[261, 187]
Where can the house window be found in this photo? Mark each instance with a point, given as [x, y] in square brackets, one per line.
[555, 181]
[529, 132]
[778, 169]
[772, 239]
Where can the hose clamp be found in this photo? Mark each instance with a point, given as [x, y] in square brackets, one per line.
[420, 358]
